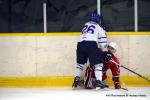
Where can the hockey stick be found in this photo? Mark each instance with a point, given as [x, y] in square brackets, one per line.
[124, 86]
[131, 71]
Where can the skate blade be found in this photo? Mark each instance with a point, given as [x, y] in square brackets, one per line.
[102, 89]
[124, 89]
[74, 88]
[97, 88]
[106, 89]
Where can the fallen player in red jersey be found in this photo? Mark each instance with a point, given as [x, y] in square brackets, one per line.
[88, 80]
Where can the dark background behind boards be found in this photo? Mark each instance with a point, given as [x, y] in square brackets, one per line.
[70, 15]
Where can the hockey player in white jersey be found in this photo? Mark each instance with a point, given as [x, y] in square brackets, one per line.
[92, 38]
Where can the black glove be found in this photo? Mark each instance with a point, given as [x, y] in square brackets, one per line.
[107, 57]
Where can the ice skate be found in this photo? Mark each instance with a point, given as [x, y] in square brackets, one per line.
[76, 82]
[100, 85]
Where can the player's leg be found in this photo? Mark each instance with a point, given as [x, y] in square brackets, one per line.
[116, 72]
[104, 76]
[81, 61]
[95, 60]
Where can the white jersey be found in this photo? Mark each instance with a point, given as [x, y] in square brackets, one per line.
[94, 32]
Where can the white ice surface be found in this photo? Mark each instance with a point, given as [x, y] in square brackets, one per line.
[134, 93]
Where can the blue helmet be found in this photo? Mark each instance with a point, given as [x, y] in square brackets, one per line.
[94, 16]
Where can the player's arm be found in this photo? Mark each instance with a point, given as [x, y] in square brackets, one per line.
[115, 58]
[102, 40]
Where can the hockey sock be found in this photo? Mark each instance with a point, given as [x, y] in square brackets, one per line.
[116, 82]
[79, 70]
[98, 71]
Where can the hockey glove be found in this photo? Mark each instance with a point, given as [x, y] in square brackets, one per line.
[107, 57]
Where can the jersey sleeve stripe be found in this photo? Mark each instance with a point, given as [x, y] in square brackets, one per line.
[103, 42]
[102, 37]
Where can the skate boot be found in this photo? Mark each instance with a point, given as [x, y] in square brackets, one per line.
[106, 84]
[76, 82]
[100, 85]
[117, 85]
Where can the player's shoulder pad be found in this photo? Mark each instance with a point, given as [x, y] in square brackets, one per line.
[101, 27]
[91, 22]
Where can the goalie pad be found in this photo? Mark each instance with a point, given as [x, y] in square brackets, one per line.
[88, 80]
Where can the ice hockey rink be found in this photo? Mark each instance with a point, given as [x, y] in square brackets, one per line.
[38, 42]
[47, 93]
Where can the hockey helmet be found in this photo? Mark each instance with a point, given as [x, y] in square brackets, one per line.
[94, 16]
[113, 45]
